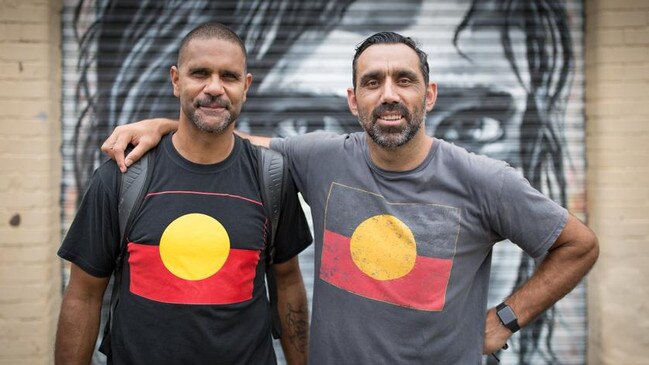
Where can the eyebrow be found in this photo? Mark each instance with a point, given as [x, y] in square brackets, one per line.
[235, 74]
[198, 69]
[380, 74]
[407, 73]
[369, 76]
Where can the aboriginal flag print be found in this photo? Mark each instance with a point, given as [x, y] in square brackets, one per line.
[397, 253]
[193, 264]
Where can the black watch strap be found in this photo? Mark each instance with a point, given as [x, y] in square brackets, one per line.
[507, 317]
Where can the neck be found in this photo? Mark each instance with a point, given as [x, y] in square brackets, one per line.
[403, 158]
[202, 147]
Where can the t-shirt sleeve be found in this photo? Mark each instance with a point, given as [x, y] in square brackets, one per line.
[92, 242]
[525, 216]
[293, 234]
[302, 152]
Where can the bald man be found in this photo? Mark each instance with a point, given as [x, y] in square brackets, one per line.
[192, 281]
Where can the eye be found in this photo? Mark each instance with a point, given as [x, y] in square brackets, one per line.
[404, 81]
[372, 83]
[230, 76]
[475, 118]
[199, 73]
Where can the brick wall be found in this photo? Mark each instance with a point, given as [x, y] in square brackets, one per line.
[29, 179]
[617, 112]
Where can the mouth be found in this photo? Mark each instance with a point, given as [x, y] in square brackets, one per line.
[391, 115]
[390, 118]
[212, 105]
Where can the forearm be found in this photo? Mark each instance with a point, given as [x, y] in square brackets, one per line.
[559, 272]
[77, 331]
[294, 314]
[567, 262]
[167, 126]
[256, 140]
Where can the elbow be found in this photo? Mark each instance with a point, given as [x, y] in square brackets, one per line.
[588, 248]
[593, 249]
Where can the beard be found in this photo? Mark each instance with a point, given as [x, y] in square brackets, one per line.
[393, 136]
[215, 124]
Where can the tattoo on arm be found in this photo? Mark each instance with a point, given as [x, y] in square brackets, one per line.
[297, 325]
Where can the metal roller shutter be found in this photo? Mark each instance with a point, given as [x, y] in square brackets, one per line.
[510, 76]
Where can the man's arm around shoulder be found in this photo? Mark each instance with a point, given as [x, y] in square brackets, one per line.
[567, 262]
[79, 318]
[146, 134]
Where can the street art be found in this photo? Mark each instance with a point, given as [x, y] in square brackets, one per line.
[509, 74]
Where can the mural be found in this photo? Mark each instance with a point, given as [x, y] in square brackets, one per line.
[510, 86]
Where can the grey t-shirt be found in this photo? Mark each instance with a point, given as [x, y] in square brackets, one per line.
[402, 259]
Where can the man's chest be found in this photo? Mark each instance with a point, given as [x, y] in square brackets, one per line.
[220, 206]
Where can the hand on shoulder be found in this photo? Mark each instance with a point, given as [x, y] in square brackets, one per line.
[143, 135]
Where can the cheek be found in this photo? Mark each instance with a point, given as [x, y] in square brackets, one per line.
[365, 102]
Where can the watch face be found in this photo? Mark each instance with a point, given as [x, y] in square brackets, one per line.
[506, 315]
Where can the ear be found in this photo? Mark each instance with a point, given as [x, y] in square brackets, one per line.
[431, 95]
[351, 101]
[173, 73]
[248, 82]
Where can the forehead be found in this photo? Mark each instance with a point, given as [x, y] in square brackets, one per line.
[387, 59]
[213, 52]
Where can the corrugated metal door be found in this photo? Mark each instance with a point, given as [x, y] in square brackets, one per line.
[510, 76]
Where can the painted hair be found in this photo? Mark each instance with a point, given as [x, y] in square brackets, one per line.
[134, 42]
[549, 59]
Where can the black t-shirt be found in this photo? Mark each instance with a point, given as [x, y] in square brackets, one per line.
[193, 288]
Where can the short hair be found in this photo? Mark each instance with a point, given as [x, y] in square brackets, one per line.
[391, 38]
[209, 31]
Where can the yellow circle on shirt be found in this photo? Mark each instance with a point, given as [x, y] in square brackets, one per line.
[194, 246]
[383, 247]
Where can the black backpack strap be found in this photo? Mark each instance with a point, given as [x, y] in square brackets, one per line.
[133, 187]
[273, 178]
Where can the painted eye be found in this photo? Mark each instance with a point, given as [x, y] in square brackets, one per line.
[468, 128]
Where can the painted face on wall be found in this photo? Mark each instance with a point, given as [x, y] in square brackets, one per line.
[211, 83]
[480, 102]
[391, 97]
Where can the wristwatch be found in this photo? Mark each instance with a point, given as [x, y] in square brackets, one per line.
[507, 317]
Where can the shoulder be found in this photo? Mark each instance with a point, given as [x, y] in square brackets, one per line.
[478, 175]
[468, 163]
[107, 177]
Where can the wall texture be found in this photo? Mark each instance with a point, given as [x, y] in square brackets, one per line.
[617, 112]
[30, 285]
[617, 131]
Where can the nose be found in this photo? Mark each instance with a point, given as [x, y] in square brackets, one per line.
[214, 86]
[390, 93]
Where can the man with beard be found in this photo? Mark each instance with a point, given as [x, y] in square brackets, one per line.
[193, 285]
[405, 224]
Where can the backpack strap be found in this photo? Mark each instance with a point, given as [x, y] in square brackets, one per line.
[273, 178]
[134, 184]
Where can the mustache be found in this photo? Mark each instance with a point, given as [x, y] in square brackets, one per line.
[384, 108]
[212, 102]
